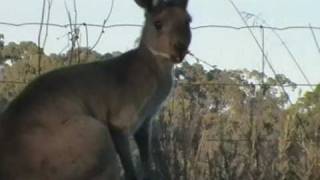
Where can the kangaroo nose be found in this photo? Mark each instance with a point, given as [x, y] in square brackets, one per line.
[181, 47]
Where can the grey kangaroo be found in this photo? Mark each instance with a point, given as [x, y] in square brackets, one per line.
[72, 123]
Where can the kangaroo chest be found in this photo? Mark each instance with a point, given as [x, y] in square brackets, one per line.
[153, 105]
[131, 116]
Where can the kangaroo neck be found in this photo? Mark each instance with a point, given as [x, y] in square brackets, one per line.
[159, 62]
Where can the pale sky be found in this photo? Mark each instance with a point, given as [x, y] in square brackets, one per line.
[228, 49]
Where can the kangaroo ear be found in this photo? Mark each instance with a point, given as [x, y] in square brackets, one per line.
[147, 4]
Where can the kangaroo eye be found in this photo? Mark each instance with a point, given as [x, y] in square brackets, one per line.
[158, 25]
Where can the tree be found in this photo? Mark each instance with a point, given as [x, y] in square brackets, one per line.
[302, 149]
[1, 47]
[24, 65]
[219, 125]
[1, 41]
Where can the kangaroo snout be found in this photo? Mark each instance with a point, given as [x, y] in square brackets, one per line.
[181, 49]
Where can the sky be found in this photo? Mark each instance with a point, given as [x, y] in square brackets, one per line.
[228, 49]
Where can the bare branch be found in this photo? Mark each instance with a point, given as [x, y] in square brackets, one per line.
[294, 59]
[47, 23]
[39, 35]
[103, 25]
[315, 38]
[256, 18]
[263, 52]
[75, 8]
[65, 47]
[202, 61]
[76, 28]
[269, 64]
[71, 34]
[87, 40]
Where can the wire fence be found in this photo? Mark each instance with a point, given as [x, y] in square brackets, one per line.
[215, 26]
[195, 28]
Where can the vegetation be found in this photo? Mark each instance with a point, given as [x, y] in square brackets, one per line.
[216, 125]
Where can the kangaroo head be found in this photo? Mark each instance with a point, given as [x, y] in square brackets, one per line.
[167, 28]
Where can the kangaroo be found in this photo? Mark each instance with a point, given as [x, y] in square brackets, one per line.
[73, 123]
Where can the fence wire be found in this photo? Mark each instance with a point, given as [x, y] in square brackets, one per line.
[195, 28]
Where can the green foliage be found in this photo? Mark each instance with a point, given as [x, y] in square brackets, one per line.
[218, 125]
[302, 151]
[16, 52]
[23, 65]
